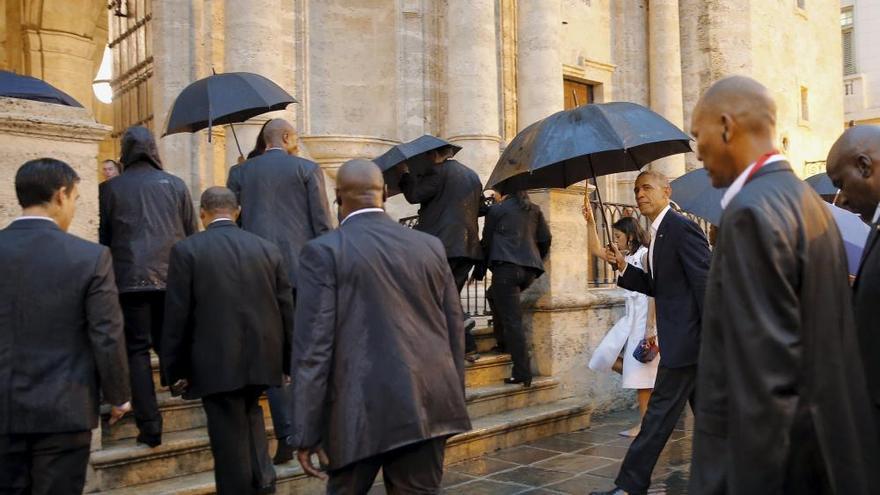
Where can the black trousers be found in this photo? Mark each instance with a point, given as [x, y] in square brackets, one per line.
[508, 282]
[461, 268]
[673, 389]
[44, 463]
[238, 441]
[143, 313]
[413, 469]
[281, 404]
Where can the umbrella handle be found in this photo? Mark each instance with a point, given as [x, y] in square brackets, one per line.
[240, 154]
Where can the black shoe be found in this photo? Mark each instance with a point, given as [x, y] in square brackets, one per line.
[472, 356]
[152, 441]
[498, 349]
[615, 491]
[469, 324]
[283, 454]
[266, 490]
[513, 381]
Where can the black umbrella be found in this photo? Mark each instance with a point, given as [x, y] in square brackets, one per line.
[30, 88]
[693, 193]
[409, 151]
[225, 99]
[821, 183]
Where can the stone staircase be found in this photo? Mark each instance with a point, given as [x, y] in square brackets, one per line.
[502, 416]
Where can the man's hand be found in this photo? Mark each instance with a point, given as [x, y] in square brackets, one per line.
[117, 412]
[614, 256]
[305, 460]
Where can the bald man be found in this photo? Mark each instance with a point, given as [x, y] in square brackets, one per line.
[378, 352]
[781, 405]
[853, 166]
[283, 200]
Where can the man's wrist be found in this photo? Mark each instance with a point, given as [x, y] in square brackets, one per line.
[124, 405]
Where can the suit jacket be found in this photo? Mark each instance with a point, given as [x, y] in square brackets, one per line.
[779, 354]
[450, 196]
[228, 312]
[515, 235]
[282, 200]
[681, 265]
[143, 212]
[866, 300]
[61, 333]
[378, 355]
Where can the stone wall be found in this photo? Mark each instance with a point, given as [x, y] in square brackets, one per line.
[29, 130]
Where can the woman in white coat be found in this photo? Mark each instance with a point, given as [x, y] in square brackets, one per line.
[638, 322]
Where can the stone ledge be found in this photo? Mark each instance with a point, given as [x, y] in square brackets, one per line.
[56, 122]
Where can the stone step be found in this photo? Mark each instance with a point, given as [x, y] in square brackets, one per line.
[500, 397]
[490, 369]
[188, 473]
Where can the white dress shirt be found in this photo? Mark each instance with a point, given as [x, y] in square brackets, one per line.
[34, 217]
[358, 212]
[221, 219]
[655, 225]
[740, 181]
[876, 214]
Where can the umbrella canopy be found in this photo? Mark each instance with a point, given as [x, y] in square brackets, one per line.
[693, 193]
[588, 141]
[404, 151]
[854, 232]
[821, 183]
[225, 99]
[30, 88]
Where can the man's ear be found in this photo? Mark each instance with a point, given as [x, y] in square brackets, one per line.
[726, 127]
[865, 165]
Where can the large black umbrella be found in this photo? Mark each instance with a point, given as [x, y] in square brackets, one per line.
[409, 151]
[225, 99]
[821, 183]
[693, 193]
[13, 85]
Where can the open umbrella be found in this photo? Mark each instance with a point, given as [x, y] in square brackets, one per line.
[408, 152]
[13, 85]
[225, 99]
[821, 183]
[693, 193]
[854, 232]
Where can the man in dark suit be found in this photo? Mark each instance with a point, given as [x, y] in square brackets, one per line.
[782, 405]
[374, 288]
[143, 213]
[222, 349]
[449, 195]
[854, 167]
[61, 338]
[283, 200]
[678, 264]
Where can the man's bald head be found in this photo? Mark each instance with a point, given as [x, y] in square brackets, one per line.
[359, 185]
[733, 123]
[279, 133]
[853, 165]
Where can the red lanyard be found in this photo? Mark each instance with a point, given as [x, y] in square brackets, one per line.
[760, 163]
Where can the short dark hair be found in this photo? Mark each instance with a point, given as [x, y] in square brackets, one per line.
[37, 181]
[116, 164]
[637, 236]
[219, 198]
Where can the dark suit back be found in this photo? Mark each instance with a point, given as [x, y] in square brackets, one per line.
[378, 355]
[866, 291]
[515, 235]
[450, 197]
[143, 213]
[228, 312]
[61, 334]
[282, 200]
[681, 265]
[780, 372]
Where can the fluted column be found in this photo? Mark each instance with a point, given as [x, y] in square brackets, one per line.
[665, 73]
[538, 61]
[472, 120]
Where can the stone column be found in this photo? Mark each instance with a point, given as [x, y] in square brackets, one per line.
[253, 43]
[664, 48]
[538, 61]
[472, 120]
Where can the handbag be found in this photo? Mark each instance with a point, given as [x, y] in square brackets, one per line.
[645, 352]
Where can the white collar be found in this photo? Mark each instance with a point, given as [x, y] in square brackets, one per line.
[275, 148]
[876, 214]
[221, 219]
[655, 225]
[358, 212]
[34, 217]
[740, 181]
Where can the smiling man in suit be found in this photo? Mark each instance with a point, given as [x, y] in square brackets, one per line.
[678, 264]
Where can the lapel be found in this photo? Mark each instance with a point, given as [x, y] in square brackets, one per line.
[869, 244]
[660, 243]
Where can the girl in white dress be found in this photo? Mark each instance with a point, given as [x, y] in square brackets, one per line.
[635, 325]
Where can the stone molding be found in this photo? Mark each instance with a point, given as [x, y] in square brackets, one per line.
[475, 137]
[333, 149]
[27, 118]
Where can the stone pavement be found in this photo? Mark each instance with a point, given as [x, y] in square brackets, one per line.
[571, 463]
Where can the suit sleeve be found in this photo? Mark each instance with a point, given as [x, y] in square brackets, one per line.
[188, 214]
[762, 356]
[694, 255]
[420, 189]
[177, 329]
[489, 226]
[636, 279]
[284, 296]
[233, 182]
[453, 314]
[104, 234]
[313, 343]
[542, 236]
[106, 333]
[319, 208]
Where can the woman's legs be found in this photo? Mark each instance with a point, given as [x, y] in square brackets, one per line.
[643, 395]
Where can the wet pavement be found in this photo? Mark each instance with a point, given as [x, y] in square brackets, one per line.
[571, 463]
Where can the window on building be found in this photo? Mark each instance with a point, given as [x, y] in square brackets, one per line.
[846, 26]
[577, 93]
[131, 43]
[805, 104]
